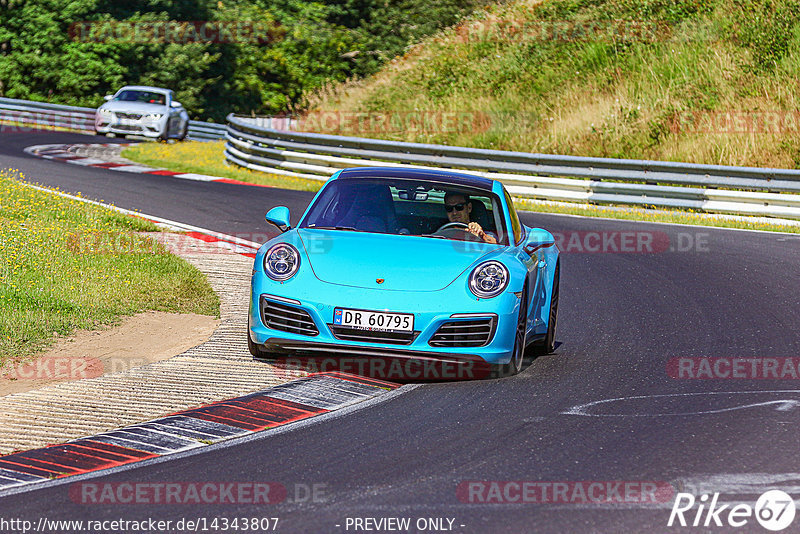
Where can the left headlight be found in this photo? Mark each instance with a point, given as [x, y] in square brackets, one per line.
[488, 279]
[152, 117]
[281, 262]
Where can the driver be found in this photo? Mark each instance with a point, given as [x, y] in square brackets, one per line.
[458, 207]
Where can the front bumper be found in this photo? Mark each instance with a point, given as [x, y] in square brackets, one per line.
[431, 310]
[111, 125]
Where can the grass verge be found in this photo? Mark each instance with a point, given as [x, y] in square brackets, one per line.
[67, 265]
[209, 158]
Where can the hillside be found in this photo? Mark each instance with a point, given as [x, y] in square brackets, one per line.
[712, 81]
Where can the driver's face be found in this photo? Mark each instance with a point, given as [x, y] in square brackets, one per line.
[452, 203]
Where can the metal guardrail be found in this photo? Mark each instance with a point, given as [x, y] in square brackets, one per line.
[708, 188]
[206, 131]
[269, 145]
[29, 114]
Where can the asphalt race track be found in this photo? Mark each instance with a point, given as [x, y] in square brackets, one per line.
[699, 292]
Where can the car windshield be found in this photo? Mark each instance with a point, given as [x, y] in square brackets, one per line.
[406, 207]
[147, 97]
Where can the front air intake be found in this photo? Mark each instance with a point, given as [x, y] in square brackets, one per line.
[286, 318]
[464, 333]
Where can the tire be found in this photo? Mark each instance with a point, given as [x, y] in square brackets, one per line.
[258, 352]
[518, 355]
[164, 136]
[184, 133]
[548, 345]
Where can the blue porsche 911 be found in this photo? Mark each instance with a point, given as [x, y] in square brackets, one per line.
[391, 262]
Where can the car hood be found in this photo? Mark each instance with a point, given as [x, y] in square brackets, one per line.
[134, 107]
[404, 263]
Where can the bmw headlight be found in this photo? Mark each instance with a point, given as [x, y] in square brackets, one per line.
[153, 117]
[105, 112]
[281, 262]
[488, 279]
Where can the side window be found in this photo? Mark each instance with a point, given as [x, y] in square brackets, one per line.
[515, 226]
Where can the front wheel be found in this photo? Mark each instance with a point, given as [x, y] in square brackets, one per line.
[514, 366]
[258, 352]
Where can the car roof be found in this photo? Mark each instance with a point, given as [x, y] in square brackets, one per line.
[145, 88]
[433, 175]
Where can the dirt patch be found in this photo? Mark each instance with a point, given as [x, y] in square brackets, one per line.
[138, 340]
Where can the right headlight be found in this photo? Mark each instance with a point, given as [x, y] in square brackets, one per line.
[281, 262]
[488, 279]
[105, 112]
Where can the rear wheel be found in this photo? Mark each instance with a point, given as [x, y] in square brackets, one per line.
[548, 345]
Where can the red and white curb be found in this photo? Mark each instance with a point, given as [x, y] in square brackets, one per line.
[66, 154]
[191, 429]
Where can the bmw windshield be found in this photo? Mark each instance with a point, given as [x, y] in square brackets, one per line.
[408, 207]
[145, 97]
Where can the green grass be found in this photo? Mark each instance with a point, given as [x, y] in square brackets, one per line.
[67, 265]
[208, 158]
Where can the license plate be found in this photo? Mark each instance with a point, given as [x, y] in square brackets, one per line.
[374, 320]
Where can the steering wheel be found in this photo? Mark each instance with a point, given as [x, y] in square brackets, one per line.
[452, 225]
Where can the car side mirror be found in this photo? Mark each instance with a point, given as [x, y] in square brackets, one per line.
[279, 216]
[175, 104]
[108, 97]
[537, 240]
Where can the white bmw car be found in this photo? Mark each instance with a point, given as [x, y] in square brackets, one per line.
[141, 110]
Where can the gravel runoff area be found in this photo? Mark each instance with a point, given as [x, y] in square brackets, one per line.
[218, 369]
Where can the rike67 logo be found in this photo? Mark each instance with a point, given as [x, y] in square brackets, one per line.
[774, 510]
